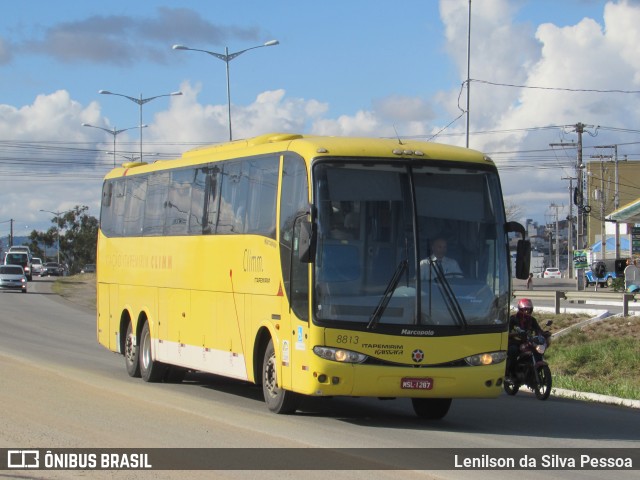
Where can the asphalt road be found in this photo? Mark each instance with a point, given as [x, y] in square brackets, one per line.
[61, 389]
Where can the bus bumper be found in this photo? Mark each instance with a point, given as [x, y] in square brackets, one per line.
[384, 381]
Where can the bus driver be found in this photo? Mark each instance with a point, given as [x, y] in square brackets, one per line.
[450, 267]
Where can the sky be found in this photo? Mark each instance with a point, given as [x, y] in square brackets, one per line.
[359, 67]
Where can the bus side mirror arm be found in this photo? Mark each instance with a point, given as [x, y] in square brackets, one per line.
[307, 241]
[523, 250]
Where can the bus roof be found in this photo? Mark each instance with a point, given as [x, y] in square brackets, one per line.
[313, 146]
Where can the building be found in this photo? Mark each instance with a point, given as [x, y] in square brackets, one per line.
[600, 198]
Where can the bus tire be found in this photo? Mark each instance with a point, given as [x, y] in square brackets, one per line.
[277, 399]
[150, 370]
[431, 408]
[131, 353]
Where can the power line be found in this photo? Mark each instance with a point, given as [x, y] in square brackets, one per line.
[561, 89]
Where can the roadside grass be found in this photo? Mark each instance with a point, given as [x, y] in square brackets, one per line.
[602, 358]
[78, 289]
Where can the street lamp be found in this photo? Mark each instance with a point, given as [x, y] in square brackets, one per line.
[140, 101]
[113, 132]
[57, 214]
[226, 57]
[134, 158]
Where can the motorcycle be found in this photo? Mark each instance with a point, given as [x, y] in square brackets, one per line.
[530, 368]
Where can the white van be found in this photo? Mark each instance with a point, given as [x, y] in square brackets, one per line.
[36, 266]
[20, 248]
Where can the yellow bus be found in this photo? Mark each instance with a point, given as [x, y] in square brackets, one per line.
[307, 265]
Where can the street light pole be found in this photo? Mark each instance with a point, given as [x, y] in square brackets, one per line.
[115, 133]
[140, 101]
[57, 215]
[226, 57]
[134, 158]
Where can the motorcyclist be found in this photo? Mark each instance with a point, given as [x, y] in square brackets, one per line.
[519, 325]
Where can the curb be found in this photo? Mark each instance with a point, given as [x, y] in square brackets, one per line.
[594, 397]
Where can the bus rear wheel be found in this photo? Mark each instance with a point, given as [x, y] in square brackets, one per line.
[150, 370]
[277, 399]
[131, 359]
[431, 408]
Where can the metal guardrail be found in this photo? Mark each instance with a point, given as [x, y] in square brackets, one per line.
[572, 296]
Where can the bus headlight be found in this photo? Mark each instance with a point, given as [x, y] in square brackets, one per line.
[488, 358]
[339, 355]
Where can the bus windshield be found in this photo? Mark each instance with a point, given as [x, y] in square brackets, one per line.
[401, 244]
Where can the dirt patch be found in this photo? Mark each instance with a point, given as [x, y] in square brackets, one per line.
[80, 290]
[619, 327]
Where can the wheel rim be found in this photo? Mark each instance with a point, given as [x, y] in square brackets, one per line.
[129, 348]
[543, 389]
[146, 352]
[270, 380]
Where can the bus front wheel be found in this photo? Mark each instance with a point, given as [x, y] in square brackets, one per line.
[431, 408]
[150, 370]
[277, 399]
[131, 350]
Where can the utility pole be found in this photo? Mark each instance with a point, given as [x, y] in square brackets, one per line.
[468, 71]
[579, 128]
[553, 205]
[616, 195]
[570, 227]
[602, 198]
[578, 198]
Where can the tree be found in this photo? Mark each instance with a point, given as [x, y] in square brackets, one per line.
[78, 237]
[36, 239]
[512, 211]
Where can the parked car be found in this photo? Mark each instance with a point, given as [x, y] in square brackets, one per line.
[12, 277]
[20, 258]
[52, 269]
[552, 273]
[89, 268]
[36, 266]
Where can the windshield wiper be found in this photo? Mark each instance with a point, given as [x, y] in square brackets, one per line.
[388, 293]
[455, 310]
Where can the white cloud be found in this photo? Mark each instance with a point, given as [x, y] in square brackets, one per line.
[188, 121]
[588, 55]
[44, 153]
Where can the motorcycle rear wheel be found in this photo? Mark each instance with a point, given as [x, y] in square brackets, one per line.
[511, 388]
[543, 389]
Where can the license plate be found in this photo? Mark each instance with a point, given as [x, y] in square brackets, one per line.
[416, 383]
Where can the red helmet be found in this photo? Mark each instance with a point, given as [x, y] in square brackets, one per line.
[525, 305]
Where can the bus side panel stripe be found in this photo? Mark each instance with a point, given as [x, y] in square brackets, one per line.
[218, 362]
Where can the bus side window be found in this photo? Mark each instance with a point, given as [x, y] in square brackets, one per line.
[107, 193]
[136, 194]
